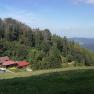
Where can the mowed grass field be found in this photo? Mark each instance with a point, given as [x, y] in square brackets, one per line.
[57, 81]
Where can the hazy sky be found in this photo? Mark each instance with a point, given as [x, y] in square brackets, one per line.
[72, 18]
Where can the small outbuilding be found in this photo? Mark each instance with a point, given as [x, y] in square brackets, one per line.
[22, 64]
[8, 64]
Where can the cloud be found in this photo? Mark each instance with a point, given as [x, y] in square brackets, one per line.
[83, 1]
[90, 1]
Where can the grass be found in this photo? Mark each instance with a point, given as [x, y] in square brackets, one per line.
[14, 75]
[39, 72]
[58, 81]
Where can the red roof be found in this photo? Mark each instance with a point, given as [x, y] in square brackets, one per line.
[22, 63]
[9, 63]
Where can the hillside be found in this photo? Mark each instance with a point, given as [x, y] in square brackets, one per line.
[85, 42]
[64, 82]
[42, 49]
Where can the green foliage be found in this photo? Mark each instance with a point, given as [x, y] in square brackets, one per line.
[13, 69]
[42, 49]
[69, 58]
[14, 50]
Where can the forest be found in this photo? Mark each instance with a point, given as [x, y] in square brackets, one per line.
[41, 48]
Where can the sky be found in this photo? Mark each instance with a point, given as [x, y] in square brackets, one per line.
[71, 18]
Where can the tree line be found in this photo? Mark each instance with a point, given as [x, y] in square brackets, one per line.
[42, 49]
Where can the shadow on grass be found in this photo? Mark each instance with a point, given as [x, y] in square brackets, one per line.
[68, 82]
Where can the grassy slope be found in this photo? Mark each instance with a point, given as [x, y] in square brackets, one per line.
[39, 72]
[13, 75]
[61, 82]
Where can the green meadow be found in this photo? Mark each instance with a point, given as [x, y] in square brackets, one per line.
[57, 81]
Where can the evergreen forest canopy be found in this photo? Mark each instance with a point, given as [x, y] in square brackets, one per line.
[42, 49]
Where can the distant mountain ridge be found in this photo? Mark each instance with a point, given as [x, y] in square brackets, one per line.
[85, 42]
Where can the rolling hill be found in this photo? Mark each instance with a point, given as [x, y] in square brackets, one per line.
[85, 42]
[41, 48]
